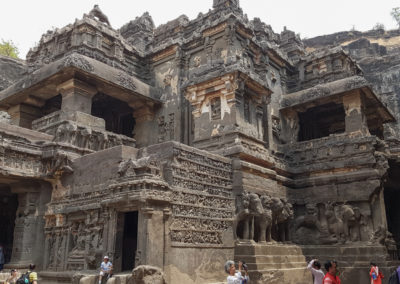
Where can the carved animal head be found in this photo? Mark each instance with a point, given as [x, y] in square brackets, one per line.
[4, 117]
[266, 201]
[255, 204]
[276, 204]
[245, 201]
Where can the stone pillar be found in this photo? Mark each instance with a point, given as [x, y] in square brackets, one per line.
[354, 107]
[76, 96]
[143, 112]
[28, 244]
[23, 115]
[154, 245]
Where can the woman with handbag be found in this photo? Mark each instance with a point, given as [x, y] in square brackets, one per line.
[375, 274]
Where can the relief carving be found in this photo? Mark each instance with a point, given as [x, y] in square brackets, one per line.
[78, 61]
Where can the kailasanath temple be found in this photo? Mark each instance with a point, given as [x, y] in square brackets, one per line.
[173, 149]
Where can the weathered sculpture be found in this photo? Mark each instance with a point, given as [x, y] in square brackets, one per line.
[146, 274]
[243, 217]
[134, 143]
[96, 12]
[264, 220]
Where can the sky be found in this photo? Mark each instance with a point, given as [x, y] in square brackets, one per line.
[24, 21]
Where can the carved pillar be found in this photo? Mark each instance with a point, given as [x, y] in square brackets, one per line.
[154, 250]
[28, 244]
[143, 112]
[76, 96]
[354, 107]
[23, 114]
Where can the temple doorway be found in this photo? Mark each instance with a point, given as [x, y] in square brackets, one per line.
[392, 196]
[126, 241]
[8, 209]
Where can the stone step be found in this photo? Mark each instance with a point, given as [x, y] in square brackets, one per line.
[343, 250]
[267, 249]
[270, 258]
[277, 265]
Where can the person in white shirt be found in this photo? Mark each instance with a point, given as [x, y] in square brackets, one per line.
[235, 277]
[105, 269]
[315, 267]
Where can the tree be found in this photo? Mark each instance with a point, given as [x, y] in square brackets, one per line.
[396, 15]
[8, 48]
[379, 26]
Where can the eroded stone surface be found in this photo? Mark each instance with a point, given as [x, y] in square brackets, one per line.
[175, 148]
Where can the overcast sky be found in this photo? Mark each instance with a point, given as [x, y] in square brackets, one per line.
[24, 21]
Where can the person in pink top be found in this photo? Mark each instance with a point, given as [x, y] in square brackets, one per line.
[315, 267]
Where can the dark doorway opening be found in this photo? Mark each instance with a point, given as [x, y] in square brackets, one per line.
[129, 240]
[117, 114]
[392, 196]
[8, 210]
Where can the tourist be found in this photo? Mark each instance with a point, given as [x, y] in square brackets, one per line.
[13, 277]
[236, 277]
[331, 273]
[315, 267]
[394, 277]
[375, 274]
[32, 275]
[105, 269]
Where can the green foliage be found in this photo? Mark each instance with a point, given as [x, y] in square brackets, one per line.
[379, 26]
[8, 48]
[396, 15]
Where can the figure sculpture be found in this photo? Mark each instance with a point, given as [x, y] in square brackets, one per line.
[264, 220]
[256, 210]
[277, 211]
[97, 13]
[284, 220]
[242, 216]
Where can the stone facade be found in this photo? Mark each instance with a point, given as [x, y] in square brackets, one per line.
[176, 148]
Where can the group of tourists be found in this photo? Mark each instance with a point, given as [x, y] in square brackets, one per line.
[239, 274]
[332, 273]
[30, 277]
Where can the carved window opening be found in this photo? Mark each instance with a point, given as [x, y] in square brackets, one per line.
[117, 114]
[8, 210]
[215, 108]
[391, 196]
[126, 241]
[321, 121]
[246, 108]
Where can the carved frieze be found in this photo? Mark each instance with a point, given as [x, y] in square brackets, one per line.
[75, 60]
[126, 81]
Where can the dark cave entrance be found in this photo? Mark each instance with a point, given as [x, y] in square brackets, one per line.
[392, 198]
[321, 121]
[8, 210]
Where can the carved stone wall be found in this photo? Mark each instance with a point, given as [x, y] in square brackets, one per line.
[202, 203]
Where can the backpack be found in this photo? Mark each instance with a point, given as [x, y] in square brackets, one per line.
[24, 279]
[393, 278]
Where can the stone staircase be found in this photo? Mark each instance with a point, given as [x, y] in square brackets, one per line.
[354, 259]
[286, 263]
[274, 263]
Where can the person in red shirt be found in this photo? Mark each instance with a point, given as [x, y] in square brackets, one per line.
[330, 276]
[375, 274]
